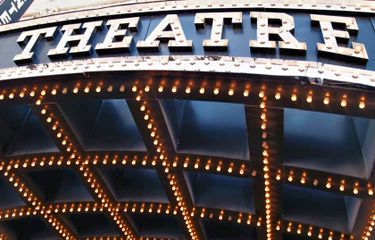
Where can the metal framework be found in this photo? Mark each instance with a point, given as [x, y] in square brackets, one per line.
[263, 99]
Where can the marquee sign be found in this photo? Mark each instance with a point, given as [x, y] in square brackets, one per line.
[340, 40]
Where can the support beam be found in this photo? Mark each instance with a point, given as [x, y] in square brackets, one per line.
[265, 156]
[328, 182]
[68, 143]
[32, 199]
[152, 125]
[303, 177]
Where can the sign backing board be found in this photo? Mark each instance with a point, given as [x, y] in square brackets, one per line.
[12, 10]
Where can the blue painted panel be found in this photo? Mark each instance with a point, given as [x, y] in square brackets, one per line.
[222, 192]
[320, 208]
[208, 128]
[329, 142]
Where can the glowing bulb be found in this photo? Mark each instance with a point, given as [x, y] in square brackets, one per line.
[246, 93]
[326, 100]
[355, 189]
[362, 103]
[261, 94]
[344, 101]
[370, 190]
[277, 95]
[342, 186]
[328, 184]
[309, 99]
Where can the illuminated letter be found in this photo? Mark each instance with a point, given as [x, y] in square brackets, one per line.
[289, 42]
[115, 38]
[175, 36]
[331, 36]
[217, 27]
[34, 35]
[68, 38]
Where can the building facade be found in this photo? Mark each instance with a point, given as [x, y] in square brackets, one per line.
[187, 120]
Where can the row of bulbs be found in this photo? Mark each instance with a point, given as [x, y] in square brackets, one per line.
[167, 209]
[266, 171]
[212, 165]
[122, 238]
[312, 232]
[189, 88]
[369, 229]
[208, 165]
[133, 207]
[278, 94]
[218, 166]
[328, 184]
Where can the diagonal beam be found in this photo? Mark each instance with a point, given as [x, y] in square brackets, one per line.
[68, 143]
[3, 235]
[35, 201]
[152, 125]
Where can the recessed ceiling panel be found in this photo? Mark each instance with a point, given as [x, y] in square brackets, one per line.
[329, 142]
[208, 128]
[319, 208]
[21, 132]
[59, 185]
[216, 230]
[131, 184]
[91, 225]
[103, 125]
[221, 192]
[162, 226]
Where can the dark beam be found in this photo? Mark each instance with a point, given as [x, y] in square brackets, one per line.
[364, 227]
[32, 199]
[158, 208]
[261, 140]
[328, 182]
[68, 144]
[302, 177]
[167, 173]
[297, 176]
[118, 85]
